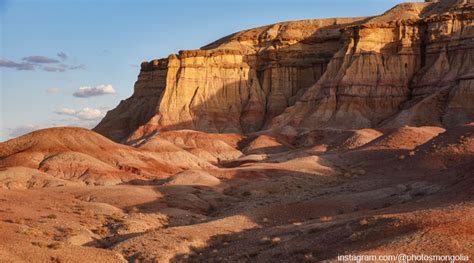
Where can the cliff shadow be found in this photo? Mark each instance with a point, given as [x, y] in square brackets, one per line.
[303, 216]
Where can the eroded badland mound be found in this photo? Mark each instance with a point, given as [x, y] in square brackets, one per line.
[298, 141]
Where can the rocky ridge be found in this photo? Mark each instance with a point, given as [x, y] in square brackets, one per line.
[412, 65]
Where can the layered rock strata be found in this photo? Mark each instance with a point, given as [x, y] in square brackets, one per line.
[412, 71]
[236, 84]
[412, 65]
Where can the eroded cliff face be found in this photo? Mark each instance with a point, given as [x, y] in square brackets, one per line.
[412, 65]
[413, 71]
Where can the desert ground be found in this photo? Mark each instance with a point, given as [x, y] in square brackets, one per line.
[237, 198]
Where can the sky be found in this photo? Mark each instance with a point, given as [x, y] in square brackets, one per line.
[65, 63]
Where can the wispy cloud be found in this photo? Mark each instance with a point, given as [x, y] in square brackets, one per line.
[23, 129]
[62, 68]
[40, 59]
[85, 117]
[9, 133]
[76, 67]
[86, 92]
[53, 69]
[14, 65]
[85, 114]
[53, 90]
[62, 55]
[40, 62]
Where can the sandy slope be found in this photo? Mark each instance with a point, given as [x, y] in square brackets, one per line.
[307, 197]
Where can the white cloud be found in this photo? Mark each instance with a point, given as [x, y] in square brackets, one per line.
[86, 92]
[85, 114]
[24, 129]
[53, 90]
[65, 111]
[90, 114]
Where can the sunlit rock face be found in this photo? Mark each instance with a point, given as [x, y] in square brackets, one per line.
[416, 70]
[412, 65]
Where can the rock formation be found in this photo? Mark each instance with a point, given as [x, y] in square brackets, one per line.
[248, 150]
[235, 84]
[389, 70]
[409, 71]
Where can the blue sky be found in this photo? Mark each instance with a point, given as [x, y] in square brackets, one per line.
[66, 63]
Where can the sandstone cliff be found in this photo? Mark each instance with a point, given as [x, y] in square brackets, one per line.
[412, 65]
[413, 71]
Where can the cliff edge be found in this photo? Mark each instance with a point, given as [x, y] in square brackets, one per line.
[413, 65]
